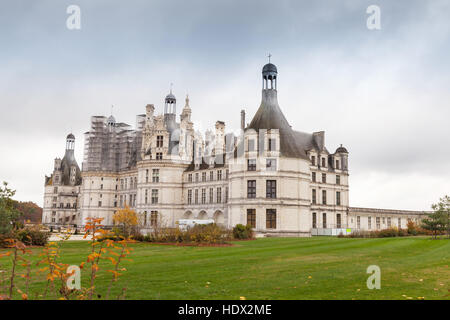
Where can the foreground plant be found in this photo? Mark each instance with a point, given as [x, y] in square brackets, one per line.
[56, 273]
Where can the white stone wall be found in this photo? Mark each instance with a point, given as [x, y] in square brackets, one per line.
[398, 218]
[54, 196]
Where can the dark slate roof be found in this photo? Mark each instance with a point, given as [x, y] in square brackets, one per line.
[341, 149]
[270, 67]
[218, 163]
[70, 136]
[293, 144]
[67, 162]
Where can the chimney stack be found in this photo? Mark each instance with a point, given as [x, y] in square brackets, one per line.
[242, 120]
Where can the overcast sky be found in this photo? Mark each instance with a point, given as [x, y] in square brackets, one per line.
[384, 94]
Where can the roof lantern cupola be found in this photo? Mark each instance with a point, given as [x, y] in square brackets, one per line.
[170, 106]
[70, 142]
[269, 76]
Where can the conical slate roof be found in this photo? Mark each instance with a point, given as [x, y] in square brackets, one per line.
[67, 162]
[269, 114]
[293, 144]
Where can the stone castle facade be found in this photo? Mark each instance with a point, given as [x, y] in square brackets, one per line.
[278, 180]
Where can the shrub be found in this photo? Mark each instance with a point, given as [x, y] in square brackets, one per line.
[385, 233]
[33, 236]
[4, 239]
[242, 232]
[209, 234]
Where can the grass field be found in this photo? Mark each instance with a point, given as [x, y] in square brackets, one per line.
[281, 268]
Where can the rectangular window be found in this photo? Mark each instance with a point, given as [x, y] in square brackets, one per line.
[101, 186]
[389, 222]
[203, 176]
[226, 194]
[271, 189]
[338, 198]
[338, 180]
[314, 220]
[190, 177]
[358, 222]
[324, 220]
[251, 164]
[219, 195]
[211, 176]
[219, 175]
[324, 196]
[146, 196]
[314, 201]
[159, 141]
[369, 223]
[378, 222]
[203, 196]
[313, 177]
[337, 164]
[189, 196]
[146, 178]
[271, 219]
[399, 223]
[251, 145]
[211, 195]
[196, 196]
[323, 162]
[99, 203]
[144, 216]
[155, 175]
[154, 218]
[154, 196]
[196, 177]
[159, 156]
[324, 178]
[313, 160]
[272, 145]
[271, 164]
[338, 220]
[251, 217]
[251, 189]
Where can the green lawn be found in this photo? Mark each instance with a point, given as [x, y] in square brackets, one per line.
[281, 268]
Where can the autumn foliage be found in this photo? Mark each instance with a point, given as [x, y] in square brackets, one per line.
[127, 219]
[105, 255]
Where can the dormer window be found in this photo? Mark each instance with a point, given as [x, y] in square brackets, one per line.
[272, 145]
[159, 141]
[313, 160]
[251, 145]
[323, 162]
[337, 164]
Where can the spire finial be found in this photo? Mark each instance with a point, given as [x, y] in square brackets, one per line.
[269, 56]
[112, 106]
[171, 85]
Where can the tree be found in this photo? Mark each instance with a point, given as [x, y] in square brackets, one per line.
[439, 220]
[127, 218]
[9, 215]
